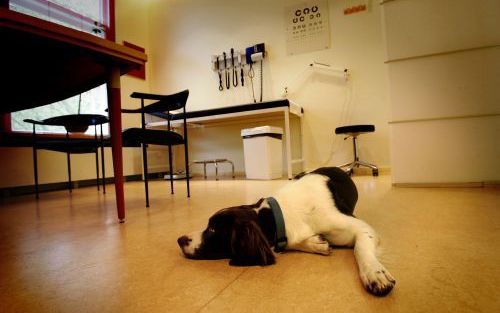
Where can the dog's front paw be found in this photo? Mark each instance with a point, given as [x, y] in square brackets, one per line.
[319, 245]
[377, 280]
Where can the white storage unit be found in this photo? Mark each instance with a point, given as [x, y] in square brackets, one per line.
[447, 131]
[263, 154]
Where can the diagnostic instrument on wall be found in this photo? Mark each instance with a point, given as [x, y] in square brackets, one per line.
[234, 62]
[217, 68]
[226, 71]
[235, 73]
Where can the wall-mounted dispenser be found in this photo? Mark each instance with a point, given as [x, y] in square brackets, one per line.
[255, 53]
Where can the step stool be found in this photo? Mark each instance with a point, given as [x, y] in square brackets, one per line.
[215, 162]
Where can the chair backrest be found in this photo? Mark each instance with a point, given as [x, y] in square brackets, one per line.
[165, 103]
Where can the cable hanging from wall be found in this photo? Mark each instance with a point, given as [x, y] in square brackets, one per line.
[290, 88]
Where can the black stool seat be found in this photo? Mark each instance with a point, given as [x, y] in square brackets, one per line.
[354, 131]
[134, 137]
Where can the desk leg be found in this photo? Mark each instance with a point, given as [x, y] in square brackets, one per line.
[302, 144]
[288, 146]
[115, 128]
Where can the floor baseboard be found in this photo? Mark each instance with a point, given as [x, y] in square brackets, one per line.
[450, 185]
[30, 189]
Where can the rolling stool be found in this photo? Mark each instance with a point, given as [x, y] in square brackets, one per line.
[354, 131]
[215, 162]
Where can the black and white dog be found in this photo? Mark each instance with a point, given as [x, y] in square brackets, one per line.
[310, 214]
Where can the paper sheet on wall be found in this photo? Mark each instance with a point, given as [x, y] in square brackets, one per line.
[307, 26]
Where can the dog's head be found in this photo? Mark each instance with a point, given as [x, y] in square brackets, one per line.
[233, 233]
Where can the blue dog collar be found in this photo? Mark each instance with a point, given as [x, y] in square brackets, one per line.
[281, 240]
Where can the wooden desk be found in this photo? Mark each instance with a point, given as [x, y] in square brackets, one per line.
[43, 62]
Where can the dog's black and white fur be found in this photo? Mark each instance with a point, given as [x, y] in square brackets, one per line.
[318, 213]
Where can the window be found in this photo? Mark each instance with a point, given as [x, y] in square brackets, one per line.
[91, 16]
[93, 101]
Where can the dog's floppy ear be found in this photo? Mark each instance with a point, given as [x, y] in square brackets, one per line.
[249, 246]
[253, 206]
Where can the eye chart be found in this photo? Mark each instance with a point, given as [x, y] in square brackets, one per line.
[307, 26]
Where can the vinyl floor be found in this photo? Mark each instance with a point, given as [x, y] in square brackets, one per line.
[67, 253]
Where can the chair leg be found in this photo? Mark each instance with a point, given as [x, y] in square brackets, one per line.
[35, 169]
[102, 164]
[355, 148]
[216, 171]
[369, 165]
[103, 169]
[232, 166]
[366, 164]
[186, 162]
[170, 169]
[145, 168]
[70, 184]
[97, 168]
[350, 167]
[344, 165]
[96, 158]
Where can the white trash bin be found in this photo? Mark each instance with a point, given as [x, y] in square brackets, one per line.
[262, 149]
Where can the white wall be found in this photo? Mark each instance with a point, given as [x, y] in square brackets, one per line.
[184, 35]
[444, 71]
[132, 25]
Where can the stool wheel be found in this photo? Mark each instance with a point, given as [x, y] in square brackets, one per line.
[375, 172]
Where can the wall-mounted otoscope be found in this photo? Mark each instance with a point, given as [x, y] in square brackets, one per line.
[254, 54]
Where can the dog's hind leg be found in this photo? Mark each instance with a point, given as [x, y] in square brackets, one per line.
[375, 277]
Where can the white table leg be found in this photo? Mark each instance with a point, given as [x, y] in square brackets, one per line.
[288, 146]
[302, 153]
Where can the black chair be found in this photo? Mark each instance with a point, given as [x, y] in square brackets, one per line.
[73, 123]
[136, 137]
[354, 131]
